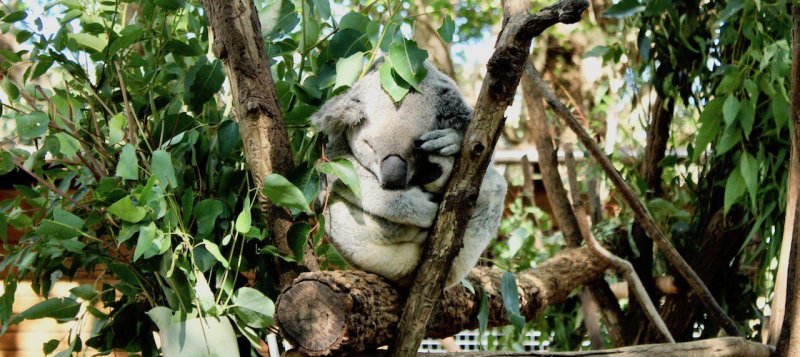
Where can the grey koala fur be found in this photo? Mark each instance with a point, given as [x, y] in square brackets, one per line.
[403, 154]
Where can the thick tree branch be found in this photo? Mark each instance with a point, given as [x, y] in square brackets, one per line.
[497, 91]
[789, 341]
[640, 213]
[238, 44]
[339, 312]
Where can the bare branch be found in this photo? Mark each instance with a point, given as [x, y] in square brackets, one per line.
[640, 213]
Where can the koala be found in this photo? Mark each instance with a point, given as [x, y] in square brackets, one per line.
[403, 155]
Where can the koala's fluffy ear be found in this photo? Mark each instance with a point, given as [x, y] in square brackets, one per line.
[338, 113]
[452, 111]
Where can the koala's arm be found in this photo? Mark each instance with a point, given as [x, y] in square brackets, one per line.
[410, 206]
[482, 226]
[370, 243]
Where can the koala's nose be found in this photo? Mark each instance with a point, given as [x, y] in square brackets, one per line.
[393, 172]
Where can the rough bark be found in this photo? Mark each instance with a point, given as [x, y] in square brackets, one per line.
[238, 44]
[497, 91]
[639, 212]
[719, 347]
[650, 170]
[338, 312]
[789, 340]
[557, 195]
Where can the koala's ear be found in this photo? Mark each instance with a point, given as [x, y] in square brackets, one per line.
[452, 111]
[338, 113]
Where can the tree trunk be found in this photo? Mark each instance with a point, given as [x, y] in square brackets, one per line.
[238, 43]
[789, 340]
[338, 312]
[497, 91]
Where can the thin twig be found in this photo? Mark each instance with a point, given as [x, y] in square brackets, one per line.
[639, 211]
[46, 183]
[620, 265]
[132, 120]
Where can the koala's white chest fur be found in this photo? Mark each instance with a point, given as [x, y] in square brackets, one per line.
[383, 231]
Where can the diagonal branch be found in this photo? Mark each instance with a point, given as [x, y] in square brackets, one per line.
[497, 91]
[639, 212]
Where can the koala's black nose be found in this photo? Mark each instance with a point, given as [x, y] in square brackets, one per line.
[393, 172]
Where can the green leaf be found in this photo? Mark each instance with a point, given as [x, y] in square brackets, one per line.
[346, 42]
[128, 36]
[58, 230]
[244, 220]
[89, 41]
[50, 346]
[32, 125]
[163, 169]
[345, 171]
[204, 295]
[392, 83]
[447, 29]
[284, 194]
[115, 128]
[128, 165]
[734, 188]
[323, 8]
[355, 21]
[42, 66]
[67, 218]
[624, 8]
[508, 289]
[68, 145]
[407, 60]
[213, 248]
[348, 69]
[749, 171]
[125, 210]
[730, 109]
[86, 292]
[56, 308]
[206, 213]
[15, 16]
[747, 116]
[202, 82]
[298, 237]
[710, 121]
[147, 235]
[255, 309]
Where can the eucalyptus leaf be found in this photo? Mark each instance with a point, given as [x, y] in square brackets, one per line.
[255, 309]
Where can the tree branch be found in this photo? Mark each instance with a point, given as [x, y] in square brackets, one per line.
[239, 45]
[557, 194]
[720, 347]
[339, 312]
[639, 212]
[497, 91]
[789, 341]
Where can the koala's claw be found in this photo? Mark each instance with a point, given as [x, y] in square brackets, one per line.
[443, 142]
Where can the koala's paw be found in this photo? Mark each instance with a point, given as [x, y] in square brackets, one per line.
[424, 207]
[443, 142]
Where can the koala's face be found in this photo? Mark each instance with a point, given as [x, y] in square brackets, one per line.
[381, 134]
[384, 143]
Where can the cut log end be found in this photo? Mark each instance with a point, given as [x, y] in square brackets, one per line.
[312, 316]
